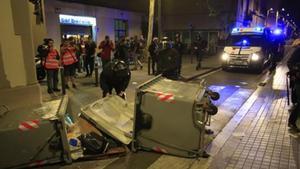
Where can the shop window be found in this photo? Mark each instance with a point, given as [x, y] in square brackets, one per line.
[121, 29]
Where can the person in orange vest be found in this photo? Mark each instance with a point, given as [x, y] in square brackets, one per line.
[51, 64]
[68, 61]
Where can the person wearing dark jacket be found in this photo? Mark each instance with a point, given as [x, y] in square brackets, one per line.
[179, 47]
[199, 47]
[167, 64]
[90, 47]
[115, 75]
[153, 50]
[121, 52]
[294, 75]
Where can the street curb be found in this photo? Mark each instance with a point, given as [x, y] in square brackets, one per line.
[201, 74]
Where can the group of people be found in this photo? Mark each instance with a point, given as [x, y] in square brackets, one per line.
[52, 60]
[157, 51]
[131, 50]
[80, 55]
[116, 73]
[165, 55]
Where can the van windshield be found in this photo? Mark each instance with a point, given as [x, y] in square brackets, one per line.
[245, 40]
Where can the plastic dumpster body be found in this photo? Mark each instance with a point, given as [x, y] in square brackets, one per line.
[167, 117]
[26, 135]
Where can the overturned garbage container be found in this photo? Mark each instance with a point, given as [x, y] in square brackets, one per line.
[167, 117]
[47, 135]
[36, 136]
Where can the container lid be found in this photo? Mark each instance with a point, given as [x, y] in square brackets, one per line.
[112, 115]
[181, 90]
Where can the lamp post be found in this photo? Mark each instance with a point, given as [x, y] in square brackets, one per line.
[150, 28]
[159, 14]
[268, 13]
[151, 20]
[278, 15]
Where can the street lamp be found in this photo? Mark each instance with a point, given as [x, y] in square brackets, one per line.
[268, 13]
[278, 15]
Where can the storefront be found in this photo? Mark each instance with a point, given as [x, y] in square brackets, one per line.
[78, 27]
[76, 20]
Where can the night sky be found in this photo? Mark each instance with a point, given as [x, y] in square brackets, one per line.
[293, 7]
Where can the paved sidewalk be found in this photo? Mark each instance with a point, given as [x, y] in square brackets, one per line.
[257, 136]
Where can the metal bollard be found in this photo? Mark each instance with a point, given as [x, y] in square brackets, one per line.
[96, 75]
[63, 83]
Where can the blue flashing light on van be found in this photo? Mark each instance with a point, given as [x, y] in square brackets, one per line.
[277, 31]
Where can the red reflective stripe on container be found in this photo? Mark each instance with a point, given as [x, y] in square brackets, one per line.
[165, 97]
[159, 150]
[38, 163]
[28, 125]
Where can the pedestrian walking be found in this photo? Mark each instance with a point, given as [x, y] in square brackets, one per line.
[106, 47]
[153, 50]
[69, 60]
[199, 47]
[179, 47]
[90, 47]
[51, 64]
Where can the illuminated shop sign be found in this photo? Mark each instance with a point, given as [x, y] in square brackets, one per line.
[77, 20]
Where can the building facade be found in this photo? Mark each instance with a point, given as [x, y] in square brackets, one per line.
[65, 19]
[212, 19]
[21, 31]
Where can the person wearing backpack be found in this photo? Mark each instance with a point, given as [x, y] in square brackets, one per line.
[51, 64]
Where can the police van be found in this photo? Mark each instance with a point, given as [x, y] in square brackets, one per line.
[247, 48]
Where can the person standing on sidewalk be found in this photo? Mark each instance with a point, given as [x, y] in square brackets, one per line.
[167, 64]
[106, 47]
[121, 52]
[179, 47]
[199, 47]
[89, 63]
[135, 48]
[69, 60]
[142, 48]
[51, 64]
[294, 74]
[153, 50]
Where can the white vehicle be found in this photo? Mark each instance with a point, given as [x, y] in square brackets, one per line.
[247, 48]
